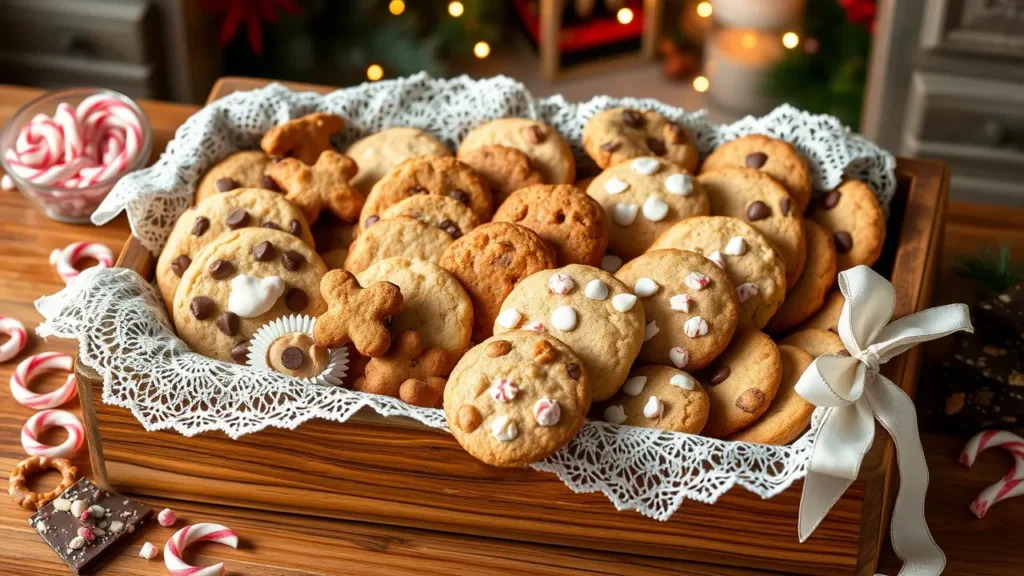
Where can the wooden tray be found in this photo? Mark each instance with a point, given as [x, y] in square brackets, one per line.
[395, 471]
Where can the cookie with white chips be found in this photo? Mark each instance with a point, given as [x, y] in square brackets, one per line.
[587, 308]
[660, 397]
[643, 198]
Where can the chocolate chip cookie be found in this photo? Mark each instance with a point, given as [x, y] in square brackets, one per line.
[855, 217]
[804, 299]
[816, 342]
[378, 153]
[660, 397]
[827, 317]
[564, 216]
[549, 153]
[618, 134]
[776, 158]
[402, 237]
[505, 169]
[239, 170]
[741, 383]
[789, 414]
[442, 212]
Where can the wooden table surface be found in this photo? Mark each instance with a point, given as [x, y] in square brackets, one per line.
[274, 543]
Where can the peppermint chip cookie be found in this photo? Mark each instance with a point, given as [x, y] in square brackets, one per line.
[442, 212]
[434, 304]
[757, 198]
[378, 153]
[516, 398]
[584, 307]
[644, 197]
[750, 262]
[241, 281]
[489, 262]
[618, 134]
[564, 216]
[827, 317]
[239, 170]
[549, 153]
[818, 276]
[437, 175]
[403, 236]
[789, 414]
[505, 169]
[742, 383]
[776, 158]
[218, 214]
[689, 305]
[856, 220]
[816, 342]
[660, 397]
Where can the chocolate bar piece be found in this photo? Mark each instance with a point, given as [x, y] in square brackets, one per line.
[86, 524]
[1004, 314]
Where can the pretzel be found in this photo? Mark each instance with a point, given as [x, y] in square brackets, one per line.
[17, 486]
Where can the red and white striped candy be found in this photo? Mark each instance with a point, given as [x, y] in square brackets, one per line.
[44, 421]
[66, 259]
[32, 366]
[1008, 486]
[204, 532]
[18, 337]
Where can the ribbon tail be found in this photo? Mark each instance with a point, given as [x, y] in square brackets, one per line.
[911, 539]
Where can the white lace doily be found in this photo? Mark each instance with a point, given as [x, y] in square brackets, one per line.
[125, 335]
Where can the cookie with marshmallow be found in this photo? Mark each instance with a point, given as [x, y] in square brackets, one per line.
[659, 397]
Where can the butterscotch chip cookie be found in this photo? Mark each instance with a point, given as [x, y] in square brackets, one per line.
[516, 398]
[583, 307]
[239, 170]
[753, 266]
[660, 397]
[827, 317]
[789, 414]
[549, 153]
[378, 153]
[757, 198]
[643, 198]
[403, 237]
[434, 304]
[505, 169]
[689, 303]
[818, 276]
[854, 216]
[741, 383]
[438, 175]
[442, 212]
[489, 262]
[296, 355]
[564, 216]
[241, 281]
[219, 214]
[816, 342]
[776, 158]
[302, 138]
[618, 134]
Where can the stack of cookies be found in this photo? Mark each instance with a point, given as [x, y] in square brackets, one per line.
[494, 284]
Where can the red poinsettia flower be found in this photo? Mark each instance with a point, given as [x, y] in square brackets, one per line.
[860, 12]
[253, 13]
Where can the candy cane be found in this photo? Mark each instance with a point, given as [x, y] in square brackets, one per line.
[204, 532]
[18, 337]
[44, 421]
[32, 366]
[66, 259]
[1008, 486]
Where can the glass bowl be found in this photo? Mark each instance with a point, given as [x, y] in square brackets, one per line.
[73, 205]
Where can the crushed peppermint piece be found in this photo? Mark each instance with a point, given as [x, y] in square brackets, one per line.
[654, 408]
[736, 246]
[697, 281]
[680, 302]
[695, 327]
[746, 291]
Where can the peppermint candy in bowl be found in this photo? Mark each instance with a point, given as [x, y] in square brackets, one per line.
[286, 346]
[66, 149]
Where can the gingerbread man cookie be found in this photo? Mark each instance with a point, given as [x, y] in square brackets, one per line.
[378, 153]
[616, 135]
[505, 169]
[741, 383]
[355, 314]
[776, 158]
[409, 371]
[302, 138]
[660, 397]
[240, 170]
[548, 152]
[855, 217]
[324, 184]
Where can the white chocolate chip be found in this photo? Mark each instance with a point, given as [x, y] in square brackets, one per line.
[654, 408]
[635, 385]
[625, 214]
[736, 246]
[623, 302]
[645, 166]
[62, 504]
[679, 357]
[509, 318]
[560, 283]
[615, 186]
[680, 302]
[503, 429]
[746, 291]
[614, 414]
[645, 287]
[596, 290]
[695, 327]
[42, 527]
[611, 263]
[77, 507]
[717, 258]
[547, 412]
[116, 526]
[651, 330]
[682, 381]
[564, 318]
[679, 184]
[697, 281]
[76, 543]
[655, 209]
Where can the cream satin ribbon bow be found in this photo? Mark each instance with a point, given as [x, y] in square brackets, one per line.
[855, 395]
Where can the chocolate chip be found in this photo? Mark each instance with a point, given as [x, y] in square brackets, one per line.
[263, 251]
[240, 352]
[180, 264]
[610, 147]
[451, 228]
[268, 183]
[292, 357]
[632, 118]
[720, 375]
[498, 348]
[657, 146]
[221, 269]
[292, 260]
[755, 159]
[201, 226]
[228, 323]
[574, 371]
[295, 228]
[225, 184]
[237, 219]
[758, 211]
[370, 221]
[675, 134]
[296, 299]
[786, 205]
[831, 199]
[419, 190]
[201, 307]
[502, 261]
[270, 225]
[533, 134]
[844, 242]
[750, 401]
[460, 196]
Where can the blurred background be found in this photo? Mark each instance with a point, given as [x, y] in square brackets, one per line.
[942, 79]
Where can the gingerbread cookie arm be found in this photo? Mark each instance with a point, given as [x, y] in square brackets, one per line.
[302, 138]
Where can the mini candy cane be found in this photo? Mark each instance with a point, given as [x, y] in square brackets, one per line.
[66, 259]
[204, 532]
[18, 337]
[1007, 487]
[44, 421]
[32, 366]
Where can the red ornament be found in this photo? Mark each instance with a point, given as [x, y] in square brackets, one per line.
[253, 12]
[860, 12]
